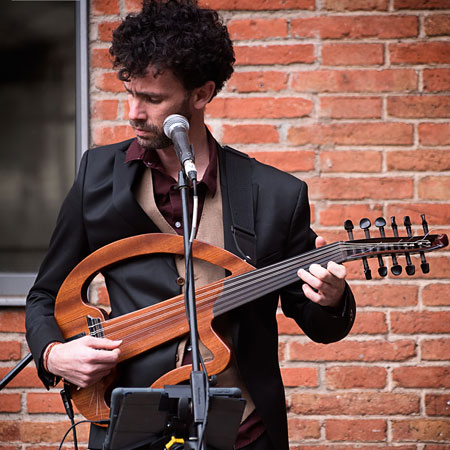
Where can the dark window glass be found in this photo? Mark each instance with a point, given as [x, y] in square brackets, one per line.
[37, 125]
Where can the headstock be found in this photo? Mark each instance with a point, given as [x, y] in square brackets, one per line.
[392, 246]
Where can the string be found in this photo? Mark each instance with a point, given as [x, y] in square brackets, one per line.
[234, 291]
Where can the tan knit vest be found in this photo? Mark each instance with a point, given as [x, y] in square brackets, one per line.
[210, 230]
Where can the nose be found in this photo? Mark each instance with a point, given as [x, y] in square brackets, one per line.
[136, 109]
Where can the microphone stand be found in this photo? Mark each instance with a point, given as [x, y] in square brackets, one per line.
[198, 379]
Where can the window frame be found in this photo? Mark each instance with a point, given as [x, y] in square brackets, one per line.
[15, 286]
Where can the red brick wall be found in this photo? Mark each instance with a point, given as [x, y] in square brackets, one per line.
[353, 97]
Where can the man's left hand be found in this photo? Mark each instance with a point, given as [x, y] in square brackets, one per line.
[324, 286]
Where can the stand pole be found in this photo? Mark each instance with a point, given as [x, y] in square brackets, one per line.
[198, 378]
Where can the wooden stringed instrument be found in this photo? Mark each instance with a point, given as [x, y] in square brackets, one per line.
[152, 326]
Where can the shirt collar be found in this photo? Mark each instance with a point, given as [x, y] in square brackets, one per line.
[151, 159]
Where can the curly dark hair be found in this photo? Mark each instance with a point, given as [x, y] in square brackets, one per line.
[178, 35]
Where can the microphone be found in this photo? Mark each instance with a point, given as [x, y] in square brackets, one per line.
[176, 128]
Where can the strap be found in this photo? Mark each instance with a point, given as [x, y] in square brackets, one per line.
[240, 197]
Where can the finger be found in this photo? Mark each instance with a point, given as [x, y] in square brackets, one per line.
[338, 270]
[320, 242]
[103, 343]
[312, 294]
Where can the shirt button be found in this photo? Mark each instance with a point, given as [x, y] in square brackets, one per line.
[177, 224]
[180, 281]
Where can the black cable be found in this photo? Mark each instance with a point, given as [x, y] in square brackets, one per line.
[75, 424]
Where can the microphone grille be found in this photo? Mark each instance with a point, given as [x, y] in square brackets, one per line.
[172, 121]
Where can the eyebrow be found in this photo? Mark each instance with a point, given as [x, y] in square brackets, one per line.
[144, 93]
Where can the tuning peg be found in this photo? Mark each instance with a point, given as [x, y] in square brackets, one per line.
[365, 225]
[382, 269]
[396, 268]
[410, 269]
[381, 223]
[348, 225]
[424, 224]
[425, 267]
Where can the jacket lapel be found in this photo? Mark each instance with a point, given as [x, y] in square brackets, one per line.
[124, 176]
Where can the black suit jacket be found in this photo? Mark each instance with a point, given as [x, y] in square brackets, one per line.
[101, 208]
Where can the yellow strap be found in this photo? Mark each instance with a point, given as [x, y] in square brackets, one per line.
[174, 440]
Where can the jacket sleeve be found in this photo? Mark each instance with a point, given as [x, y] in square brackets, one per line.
[321, 324]
[68, 246]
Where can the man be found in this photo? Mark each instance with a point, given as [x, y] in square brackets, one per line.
[173, 58]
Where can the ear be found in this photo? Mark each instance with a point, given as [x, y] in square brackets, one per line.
[202, 95]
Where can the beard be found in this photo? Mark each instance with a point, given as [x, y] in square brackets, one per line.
[157, 139]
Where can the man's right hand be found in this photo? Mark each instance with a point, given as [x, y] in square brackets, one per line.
[85, 361]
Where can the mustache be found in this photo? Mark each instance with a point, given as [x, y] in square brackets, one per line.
[142, 125]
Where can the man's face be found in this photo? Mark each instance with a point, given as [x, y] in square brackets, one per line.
[151, 99]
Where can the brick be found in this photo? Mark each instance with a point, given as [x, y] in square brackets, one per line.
[133, 6]
[439, 267]
[274, 54]
[419, 106]
[351, 350]
[287, 325]
[105, 109]
[435, 80]
[261, 5]
[434, 134]
[421, 377]
[300, 376]
[437, 404]
[392, 296]
[435, 214]
[10, 403]
[104, 135]
[413, 322]
[437, 25]
[435, 349]
[44, 403]
[420, 430]
[345, 80]
[108, 82]
[434, 188]
[435, 160]
[10, 350]
[26, 378]
[421, 4]
[28, 432]
[100, 58]
[361, 133]
[352, 377]
[356, 430]
[352, 54]
[257, 28]
[420, 53]
[260, 81]
[354, 403]
[350, 161]
[436, 294]
[105, 7]
[259, 107]
[355, 27]
[288, 161]
[358, 446]
[105, 30]
[12, 320]
[250, 134]
[350, 107]
[369, 322]
[360, 188]
[300, 429]
[338, 214]
[356, 5]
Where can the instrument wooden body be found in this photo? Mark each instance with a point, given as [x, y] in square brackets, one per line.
[150, 327]
[147, 328]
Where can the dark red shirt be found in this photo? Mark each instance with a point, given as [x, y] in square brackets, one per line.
[166, 191]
